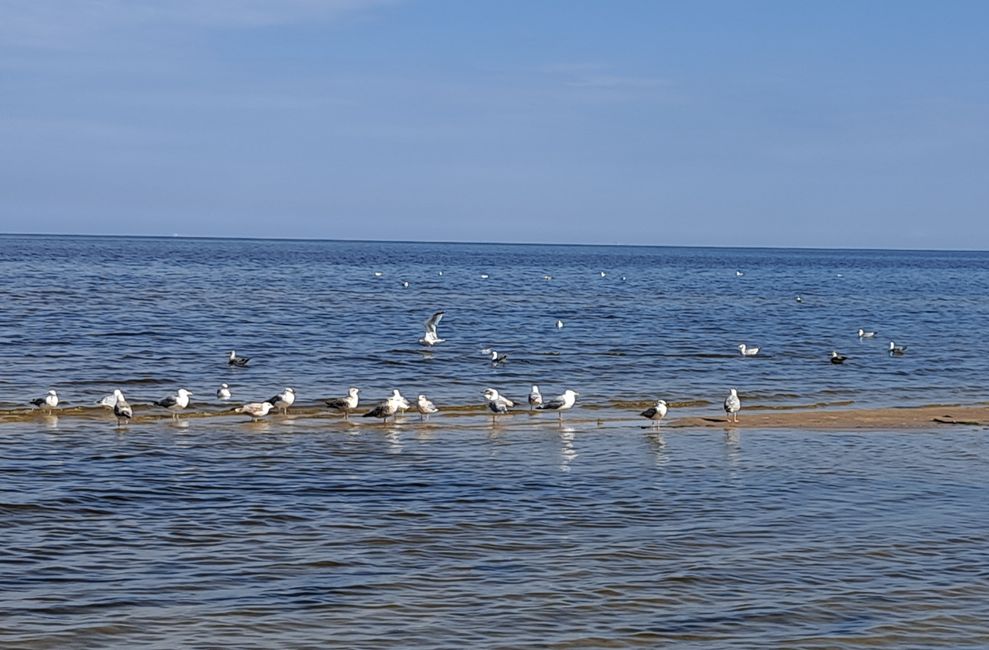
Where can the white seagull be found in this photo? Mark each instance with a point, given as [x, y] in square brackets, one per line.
[535, 397]
[896, 350]
[345, 404]
[497, 404]
[283, 400]
[223, 392]
[49, 401]
[866, 335]
[739, 274]
[559, 324]
[121, 408]
[176, 402]
[234, 360]
[732, 405]
[656, 413]
[747, 351]
[108, 400]
[256, 410]
[425, 408]
[431, 337]
[560, 403]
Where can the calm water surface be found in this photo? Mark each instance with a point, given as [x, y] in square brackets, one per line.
[302, 532]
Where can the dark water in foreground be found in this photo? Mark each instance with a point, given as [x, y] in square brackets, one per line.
[306, 532]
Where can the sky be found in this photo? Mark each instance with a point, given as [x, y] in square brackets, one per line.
[722, 123]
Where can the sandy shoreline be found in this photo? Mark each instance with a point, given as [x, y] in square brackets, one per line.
[913, 417]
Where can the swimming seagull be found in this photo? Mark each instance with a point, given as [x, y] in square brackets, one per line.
[747, 351]
[256, 410]
[239, 362]
[603, 274]
[176, 402]
[345, 404]
[425, 408]
[431, 337]
[535, 397]
[378, 274]
[732, 406]
[866, 335]
[799, 299]
[560, 403]
[837, 358]
[655, 413]
[498, 359]
[497, 404]
[896, 350]
[121, 408]
[739, 274]
[388, 408]
[547, 277]
[49, 401]
[283, 400]
[405, 284]
[223, 392]
[559, 324]
[484, 276]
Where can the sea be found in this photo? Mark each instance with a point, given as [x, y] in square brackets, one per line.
[311, 531]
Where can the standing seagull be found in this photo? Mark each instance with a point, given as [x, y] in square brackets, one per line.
[234, 360]
[283, 400]
[655, 413]
[425, 408]
[431, 337]
[256, 410]
[388, 408]
[747, 351]
[732, 406]
[837, 358]
[345, 404]
[176, 402]
[223, 392]
[535, 397]
[496, 403]
[866, 335]
[121, 408]
[896, 350]
[560, 403]
[49, 401]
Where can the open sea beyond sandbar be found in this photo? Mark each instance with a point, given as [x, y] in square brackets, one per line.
[308, 531]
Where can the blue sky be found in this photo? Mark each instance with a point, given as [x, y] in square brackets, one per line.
[845, 124]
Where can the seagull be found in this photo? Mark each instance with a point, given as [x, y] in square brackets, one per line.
[732, 406]
[256, 410]
[239, 362]
[49, 401]
[484, 276]
[559, 324]
[603, 274]
[345, 404]
[799, 299]
[425, 408]
[283, 400]
[896, 350]
[496, 403]
[431, 337]
[497, 359]
[547, 277]
[837, 358]
[378, 274]
[108, 400]
[405, 284]
[535, 397]
[223, 392]
[388, 408]
[747, 351]
[739, 274]
[121, 408]
[866, 335]
[560, 403]
[176, 402]
[656, 413]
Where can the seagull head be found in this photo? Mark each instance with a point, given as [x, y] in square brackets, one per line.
[734, 391]
[494, 354]
[861, 331]
[353, 390]
[52, 392]
[183, 392]
[741, 346]
[571, 393]
[892, 345]
[224, 386]
[535, 389]
[289, 389]
[116, 393]
[490, 394]
[661, 402]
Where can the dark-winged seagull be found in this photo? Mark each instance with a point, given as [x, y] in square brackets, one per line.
[346, 404]
[388, 408]
[425, 408]
[560, 403]
[48, 402]
[733, 405]
[223, 392]
[283, 400]
[239, 362]
[176, 402]
[896, 350]
[497, 404]
[656, 413]
[121, 408]
[837, 358]
[431, 338]
[255, 410]
[498, 359]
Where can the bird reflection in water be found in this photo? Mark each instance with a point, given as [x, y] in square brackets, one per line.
[567, 451]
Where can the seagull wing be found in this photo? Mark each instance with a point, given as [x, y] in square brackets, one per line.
[553, 405]
[433, 321]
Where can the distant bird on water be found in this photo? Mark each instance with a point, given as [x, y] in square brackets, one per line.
[746, 351]
[176, 402]
[431, 338]
[656, 413]
[48, 402]
[896, 350]
[498, 359]
[346, 404]
[799, 299]
[866, 335]
[425, 408]
[733, 405]
[121, 408]
[535, 397]
[283, 400]
[223, 392]
[560, 403]
[559, 324]
[239, 362]
[256, 410]
[739, 274]
[497, 404]
[837, 358]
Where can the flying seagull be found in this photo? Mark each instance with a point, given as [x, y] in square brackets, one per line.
[431, 337]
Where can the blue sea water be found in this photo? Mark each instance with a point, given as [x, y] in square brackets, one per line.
[309, 532]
